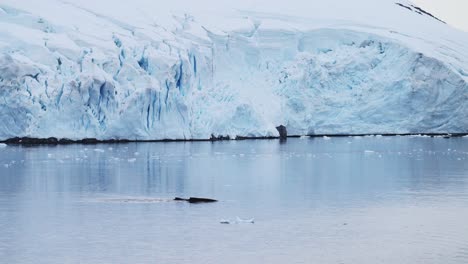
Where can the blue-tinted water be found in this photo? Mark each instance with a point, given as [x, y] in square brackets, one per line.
[339, 200]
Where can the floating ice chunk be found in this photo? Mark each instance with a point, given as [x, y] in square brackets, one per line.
[326, 138]
[99, 150]
[50, 155]
[245, 221]
[131, 160]
[136, 153]
[369, 151]
[3, 145]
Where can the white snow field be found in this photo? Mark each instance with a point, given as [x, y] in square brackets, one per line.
[153, 69]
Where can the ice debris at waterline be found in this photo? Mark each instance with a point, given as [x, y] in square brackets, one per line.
[190, 70]
[238, 221]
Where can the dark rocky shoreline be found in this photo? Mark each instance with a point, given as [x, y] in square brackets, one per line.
[93, 141]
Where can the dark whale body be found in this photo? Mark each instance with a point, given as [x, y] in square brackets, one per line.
[195, 200]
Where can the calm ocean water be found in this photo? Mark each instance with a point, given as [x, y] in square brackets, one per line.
[340, 200]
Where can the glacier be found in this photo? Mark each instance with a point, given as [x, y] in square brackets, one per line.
[150, 70]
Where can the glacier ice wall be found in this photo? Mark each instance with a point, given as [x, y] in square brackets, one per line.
[56, 82]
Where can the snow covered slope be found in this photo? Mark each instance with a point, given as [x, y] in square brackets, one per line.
[146, 69]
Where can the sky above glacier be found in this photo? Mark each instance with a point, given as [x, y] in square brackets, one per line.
[451, 11]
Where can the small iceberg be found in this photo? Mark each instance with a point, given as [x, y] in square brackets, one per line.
[3, 145]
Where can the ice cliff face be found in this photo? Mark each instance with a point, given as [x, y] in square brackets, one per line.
[148, 70]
